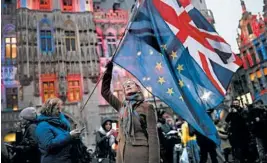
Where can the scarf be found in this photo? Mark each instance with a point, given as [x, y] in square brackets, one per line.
[127, 112]
[58, 122]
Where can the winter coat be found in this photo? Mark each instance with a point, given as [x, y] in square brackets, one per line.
[239, 135]
[54, 139]
[190, 143]
[186, 136]
[103, 143]
[27, 149]
[140, 148]
[258, 122]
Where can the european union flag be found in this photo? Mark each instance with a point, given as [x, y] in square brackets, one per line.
[150, 50]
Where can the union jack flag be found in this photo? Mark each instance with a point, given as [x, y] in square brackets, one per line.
[210, 51]
[172, 49]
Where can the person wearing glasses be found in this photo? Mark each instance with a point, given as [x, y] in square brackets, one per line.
[138, 137]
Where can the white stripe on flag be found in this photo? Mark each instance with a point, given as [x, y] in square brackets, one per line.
[197, 47]
[220, 46]
[173, 28]
[173, 4]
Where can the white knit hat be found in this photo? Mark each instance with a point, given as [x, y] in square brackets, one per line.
[29, 114]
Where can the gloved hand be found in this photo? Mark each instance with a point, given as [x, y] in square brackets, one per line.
[109, 65]
[75, 133]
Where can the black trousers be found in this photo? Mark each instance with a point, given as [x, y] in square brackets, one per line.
[204, 151]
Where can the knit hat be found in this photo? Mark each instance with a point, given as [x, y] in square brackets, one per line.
[28, 114]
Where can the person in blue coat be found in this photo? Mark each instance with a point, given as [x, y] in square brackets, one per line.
[53, 133]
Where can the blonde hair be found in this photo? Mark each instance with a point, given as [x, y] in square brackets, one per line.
[50, 105]
[131, 80]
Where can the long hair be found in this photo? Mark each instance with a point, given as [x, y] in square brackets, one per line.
[49, 106]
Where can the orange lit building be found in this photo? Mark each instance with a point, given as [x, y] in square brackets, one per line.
[59, 48]
[250, 82]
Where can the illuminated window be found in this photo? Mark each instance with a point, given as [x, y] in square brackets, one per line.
[48, 90]
[12, 98]
[10, 47]
[111, 40]
[67, 5]
[70, 40]
[46, 40]
[44, 4]
[74, 91]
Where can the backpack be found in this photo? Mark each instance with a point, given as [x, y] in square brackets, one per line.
[79, 152]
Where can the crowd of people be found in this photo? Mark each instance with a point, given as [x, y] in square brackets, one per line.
[145, 135]
[242, 132]
[46, 138]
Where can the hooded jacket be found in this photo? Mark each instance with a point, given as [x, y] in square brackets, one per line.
[103, 142]
[54, 139]
[27, 149]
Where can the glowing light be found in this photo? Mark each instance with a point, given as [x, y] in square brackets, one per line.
[206, 96]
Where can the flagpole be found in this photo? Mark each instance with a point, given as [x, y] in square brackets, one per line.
[119, 46]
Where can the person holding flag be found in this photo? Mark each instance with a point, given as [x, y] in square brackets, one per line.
[138, 136]
[170, 47]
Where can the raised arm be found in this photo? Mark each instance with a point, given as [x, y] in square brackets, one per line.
[105, 90]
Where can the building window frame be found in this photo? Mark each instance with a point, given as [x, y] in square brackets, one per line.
[44, 4]
[74, 93]
[100, 49]
[67, 5]
[112, 43]
[70, 40]
[249, 28]
[49, 90]
[12, 98]
[46, 40]
[10, 47]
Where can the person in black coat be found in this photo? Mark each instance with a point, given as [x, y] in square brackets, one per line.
[258, 123]
[239, 135]
[27, 148]
[105, 140]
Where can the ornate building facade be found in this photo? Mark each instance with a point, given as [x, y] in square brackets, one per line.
[53, 49]
[59, 48]
[250, 82]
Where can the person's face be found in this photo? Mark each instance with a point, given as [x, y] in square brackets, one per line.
[130, 87]
[108, 126]
[236, 103]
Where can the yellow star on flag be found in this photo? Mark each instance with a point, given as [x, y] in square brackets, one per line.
[164, 47]
[180, 68]
[161, 80]
[181, 83]
[174, 55]
[170, 91]
[159, 66]
[181, 98]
